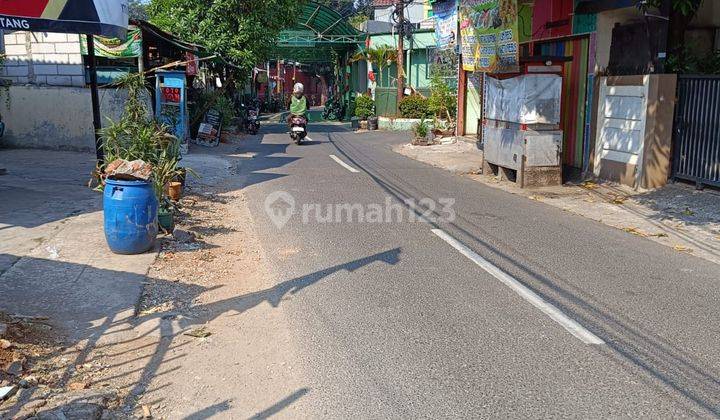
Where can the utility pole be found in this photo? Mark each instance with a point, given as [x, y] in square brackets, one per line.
[400, 15]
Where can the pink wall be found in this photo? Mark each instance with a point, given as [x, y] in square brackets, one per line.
[313, 85]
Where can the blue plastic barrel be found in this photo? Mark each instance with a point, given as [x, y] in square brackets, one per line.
[130, 209]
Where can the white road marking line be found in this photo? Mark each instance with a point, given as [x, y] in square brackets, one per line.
[550, 310]
[343, 164]
[308, 138]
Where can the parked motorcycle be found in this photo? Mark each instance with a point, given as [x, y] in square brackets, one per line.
[298, 128]
[252, 122]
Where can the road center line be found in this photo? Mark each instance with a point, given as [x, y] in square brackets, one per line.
[550, 310]
[343, 164]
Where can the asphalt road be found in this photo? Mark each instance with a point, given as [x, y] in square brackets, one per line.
[510, 309]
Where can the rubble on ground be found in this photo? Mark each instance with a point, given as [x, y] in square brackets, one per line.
[128, 170]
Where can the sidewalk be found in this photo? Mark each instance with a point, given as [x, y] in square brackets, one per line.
[677, 215]
[56, 266]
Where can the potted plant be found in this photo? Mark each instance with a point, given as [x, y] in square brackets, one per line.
[131, 205]
[166, 220]
[364, 108]
[421, 130]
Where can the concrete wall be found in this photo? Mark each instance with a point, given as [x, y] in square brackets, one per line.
[55, 117]
[651, 168]
[605, 23]
[43, 58]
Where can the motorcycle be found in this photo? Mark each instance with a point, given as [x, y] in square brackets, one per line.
[298, 128]
[252, 123]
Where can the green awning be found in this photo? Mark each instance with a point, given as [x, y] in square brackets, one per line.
[318, 32]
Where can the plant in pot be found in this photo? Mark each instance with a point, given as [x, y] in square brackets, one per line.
[136, 140]
[421, 130]
[364, 109]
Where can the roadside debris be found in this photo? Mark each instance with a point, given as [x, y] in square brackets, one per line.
[183, 236]
[682, 248]
[147, 414]
[201, 332]
[7, 392]
[129, 170]
[77, 386]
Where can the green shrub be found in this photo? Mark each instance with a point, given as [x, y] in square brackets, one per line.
[364, 107]
[414, 106]
[421, 129]
[443, 100]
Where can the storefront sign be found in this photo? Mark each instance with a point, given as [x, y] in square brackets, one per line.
[445, 13]
[191, 69]
[99, 17]
[130, 46]
[489, 30]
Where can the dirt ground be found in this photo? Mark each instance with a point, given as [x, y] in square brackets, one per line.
[188, 329]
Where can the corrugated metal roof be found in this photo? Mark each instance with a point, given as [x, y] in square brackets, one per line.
[382, 3]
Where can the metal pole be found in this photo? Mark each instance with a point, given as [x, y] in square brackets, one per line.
[97, 125]
[399, 7]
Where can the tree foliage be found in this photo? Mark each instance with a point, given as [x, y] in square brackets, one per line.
[138, 9]
[241, 31]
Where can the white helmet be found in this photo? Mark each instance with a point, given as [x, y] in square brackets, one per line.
[298, 88]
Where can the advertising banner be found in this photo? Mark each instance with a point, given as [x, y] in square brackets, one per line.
[445, 13]
[99, 17]
[491, 29]
[130, 46]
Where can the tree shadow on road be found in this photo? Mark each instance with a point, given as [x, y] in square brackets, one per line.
[668, 368]
[149, 340]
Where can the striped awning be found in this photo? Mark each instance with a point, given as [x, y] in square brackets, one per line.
[100, 17]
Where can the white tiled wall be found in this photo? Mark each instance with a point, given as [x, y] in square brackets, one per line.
[43, 58]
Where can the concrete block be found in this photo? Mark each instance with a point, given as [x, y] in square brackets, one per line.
[55, 58]
[45, 69]
[50, 37]
[11, 50]
[75, 59]
[78, 81]
[43, 47]
[12, 39]
[40, 80]
[59, 80]
[68, 48]
[16, 70]
[21, 80]
[73, 38]
[70, 70]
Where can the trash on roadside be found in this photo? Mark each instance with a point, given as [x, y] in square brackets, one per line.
[146, 412]
[7, 392]
[682, 248]
[688, 212]
[619, 199]
[635, 231]
[201, 332]
[589, 185]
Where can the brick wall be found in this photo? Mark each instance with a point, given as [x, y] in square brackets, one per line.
[43, 58]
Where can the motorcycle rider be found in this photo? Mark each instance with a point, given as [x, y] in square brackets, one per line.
[298, 102]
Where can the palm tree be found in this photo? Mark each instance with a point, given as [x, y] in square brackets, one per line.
[381, 56]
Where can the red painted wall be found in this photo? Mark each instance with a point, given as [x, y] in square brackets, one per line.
[313, 85]
[552, 13]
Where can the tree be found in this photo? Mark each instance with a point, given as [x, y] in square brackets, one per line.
[380, 56]
[138, 9]
[680, 13]
[242, 32]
